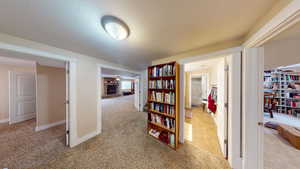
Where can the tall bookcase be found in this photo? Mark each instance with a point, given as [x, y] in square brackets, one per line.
[285, 86]
[163, 102]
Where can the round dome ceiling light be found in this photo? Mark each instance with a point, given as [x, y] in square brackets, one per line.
[115, 27]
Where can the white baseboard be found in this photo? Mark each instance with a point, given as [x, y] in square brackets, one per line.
[84, 138]
[4, 120]
[44, 127]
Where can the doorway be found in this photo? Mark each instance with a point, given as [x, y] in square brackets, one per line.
[280, 100]
[33, 112]
[120, 97]
[205, 115]
[224, 78]
[197, 90]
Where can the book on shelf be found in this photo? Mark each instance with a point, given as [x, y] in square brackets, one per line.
[162, 84]
[166, 137]
[154, 133]
[166, 70]
[163, 97]
[162, 108]
[161, 120]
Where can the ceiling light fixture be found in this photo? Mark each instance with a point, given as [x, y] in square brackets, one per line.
[115, 27]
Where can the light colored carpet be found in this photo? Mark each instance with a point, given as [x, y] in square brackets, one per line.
[22, 147]
[124, 144]
[278, 153]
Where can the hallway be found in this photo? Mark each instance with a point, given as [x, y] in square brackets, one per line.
[201, 131]
[125, 144]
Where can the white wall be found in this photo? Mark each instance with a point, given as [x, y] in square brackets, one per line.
[217, 75]
[144, 87]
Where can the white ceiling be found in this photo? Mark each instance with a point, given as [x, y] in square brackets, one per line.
[16, 58]
[201, 65]
[105, 72]
[159, 28]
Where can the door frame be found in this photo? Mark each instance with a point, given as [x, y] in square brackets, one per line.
[233, 137]
[12, 91]
[99, 91]
[253, 66]
[137, 101]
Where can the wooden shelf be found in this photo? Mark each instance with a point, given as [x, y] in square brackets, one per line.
[161, 141]
[161, 126]
[175, 106]
[283, 79]
[161, 102]
[160, 113]
[162, 78]
[164, 90]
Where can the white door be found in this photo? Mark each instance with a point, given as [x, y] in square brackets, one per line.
[204, 85]
[67, 104]
[137, 94]
[253, 131]
[196, 91]
[22, 89]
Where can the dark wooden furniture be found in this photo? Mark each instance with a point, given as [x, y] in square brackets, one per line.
[269, 103]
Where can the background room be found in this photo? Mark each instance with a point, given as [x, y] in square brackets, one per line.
[282, 100]
[32, 107]
[120, 93]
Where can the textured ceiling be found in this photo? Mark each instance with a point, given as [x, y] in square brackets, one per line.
[159, 28]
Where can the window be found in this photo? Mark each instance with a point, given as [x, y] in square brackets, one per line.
[126, 85]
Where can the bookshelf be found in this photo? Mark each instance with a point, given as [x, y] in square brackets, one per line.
[285, 85]
[163, 101]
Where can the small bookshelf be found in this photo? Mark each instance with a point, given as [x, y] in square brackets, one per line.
[163, 102]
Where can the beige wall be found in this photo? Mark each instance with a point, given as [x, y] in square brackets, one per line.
[4, 89]
[187, 79]
[51, 95]
[87, 97]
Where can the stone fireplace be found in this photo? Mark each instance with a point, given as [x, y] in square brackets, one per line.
[111, 87]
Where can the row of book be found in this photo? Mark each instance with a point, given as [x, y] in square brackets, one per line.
[166, 137]
[292, 77]
[293, 103]
[168, 109]
[164, 121]
[163, 97]
[162, 84]
[166, 70]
